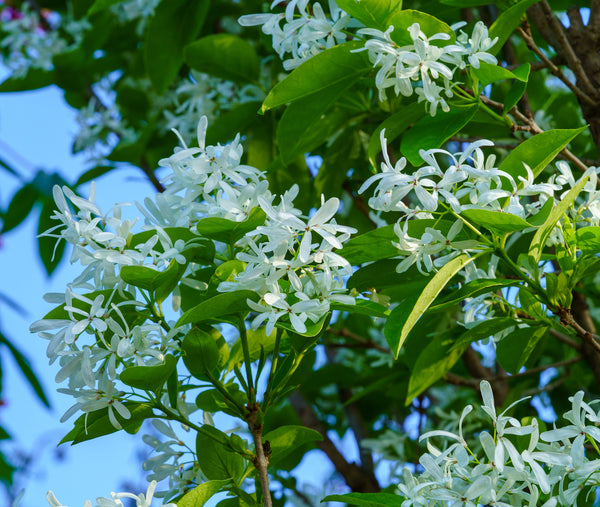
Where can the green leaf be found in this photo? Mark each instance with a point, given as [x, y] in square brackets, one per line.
[370, 246]
[539, 240]
[305, 123]
[588, 240]
[541, 216]
[224, 55]
[498, 222]
[367, 499]
[433, 131]
[473, 289]
[429, 25]
[404, 317]
[518, 88]
[394, 125]
[204, 355]
[506, 23]
[229, 231]
[51, 249]
[26, 370]
[328, 69]
[20, 206]
[229, 123]
[202, 493]
[285, 439]
[33, 80]
[372, 13]
[97, 423]
[216, 460]
[100, 5]
[437, 358]
[537, 152]
[488, 73]
[258, 341]
[228, 303]
[93, 174]
[363, 307]
[149, 378]
[174, 25]
[513, 350]
[161, 283]
[9, 168]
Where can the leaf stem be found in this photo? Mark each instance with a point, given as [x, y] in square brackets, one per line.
[244, 338]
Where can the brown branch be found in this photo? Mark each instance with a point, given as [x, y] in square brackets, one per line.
[554, 70]
[356, 479]
[358, 201]
[261, 459]
[573, 60]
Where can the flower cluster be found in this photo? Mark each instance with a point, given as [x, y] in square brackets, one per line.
[294, 275]
[452, 183]
[516, 464]
[303, 34]
[424, 67]
[30, 43]
[115, 500]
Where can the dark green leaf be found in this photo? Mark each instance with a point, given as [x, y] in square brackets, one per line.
[367, 499]
[473, 289]
[20, 206]
[433, 131]
[224, 55]
[93, 174]
[25, 367]
[363, 307]
[228, 124]
[518, 88]
[159, 283]
[34, 79]
[394, 125]
[506, 23]
[174, 25]
[371, 246]
[100, 5]
[429, 25]
[513, 350]
[258, 341]
[216, 460]
[497, 222]
[204, 355]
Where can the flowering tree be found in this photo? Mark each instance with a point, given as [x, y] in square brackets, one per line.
[439, 250]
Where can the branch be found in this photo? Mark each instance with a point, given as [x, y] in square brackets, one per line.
[553, 68]
[540, 369]
[356, 479]
[533, 127]
[261, 460]
[362, 342]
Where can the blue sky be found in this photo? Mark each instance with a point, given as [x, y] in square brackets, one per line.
[35, 132]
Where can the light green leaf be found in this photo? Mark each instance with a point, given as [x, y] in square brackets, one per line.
[488, 73]
[513, 350]
[228, 303]
[430, 25]
[394, 125]
[149, 378]
[367, 499]
[404, 317]
[588, 240]
[539, 240]
[202, 493]
[224, 55]
[174, 25]
[537, 152]
[370, 246]
[507, 22]
[285, 439]
[372, 13]
[328, 69]
[433, 131]
[257, 341]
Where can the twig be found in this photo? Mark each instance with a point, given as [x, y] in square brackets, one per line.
[565, 339]
[261, 460]
[540, 369]
[363, 342]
